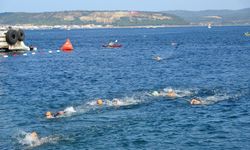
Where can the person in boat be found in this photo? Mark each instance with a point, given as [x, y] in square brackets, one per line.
[171, 93]
[111, 44]
[195, 101]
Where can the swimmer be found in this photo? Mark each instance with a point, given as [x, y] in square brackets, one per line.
[99, 102]
[34, 136]
[31, 139]
[50, 115]
[171, 93]
[195, 101]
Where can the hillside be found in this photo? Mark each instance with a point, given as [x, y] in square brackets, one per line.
[115, 18]
[218, 17]
[129, 18]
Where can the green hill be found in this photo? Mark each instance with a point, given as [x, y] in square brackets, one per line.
[115, 18]
[129, 18]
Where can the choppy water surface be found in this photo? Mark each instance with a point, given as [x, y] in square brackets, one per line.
[210, 64]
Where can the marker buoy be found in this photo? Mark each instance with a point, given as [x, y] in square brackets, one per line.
[67, 46]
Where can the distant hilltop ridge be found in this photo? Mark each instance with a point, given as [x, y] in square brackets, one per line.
[216, 17]
[114, 18]
[128, 18]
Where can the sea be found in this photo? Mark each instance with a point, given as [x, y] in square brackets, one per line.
[212, 65]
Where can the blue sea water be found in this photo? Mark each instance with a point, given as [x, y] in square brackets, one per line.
[211, 64]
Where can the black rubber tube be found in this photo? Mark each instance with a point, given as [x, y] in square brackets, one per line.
[21, 35]
[11, 37]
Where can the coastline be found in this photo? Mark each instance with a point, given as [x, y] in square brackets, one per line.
[92, 26]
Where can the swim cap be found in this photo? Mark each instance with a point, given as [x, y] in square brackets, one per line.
[195, 101]
[33, 134]
[48, 113]
[99, 102]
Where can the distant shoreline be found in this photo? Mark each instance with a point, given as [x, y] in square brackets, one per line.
[125, 19]
[73, 27]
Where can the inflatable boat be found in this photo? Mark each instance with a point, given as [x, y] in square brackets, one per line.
[112, 45]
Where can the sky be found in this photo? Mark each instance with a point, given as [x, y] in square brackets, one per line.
[140, 5]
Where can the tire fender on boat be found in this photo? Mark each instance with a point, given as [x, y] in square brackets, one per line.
[11, 37]
[21, 35]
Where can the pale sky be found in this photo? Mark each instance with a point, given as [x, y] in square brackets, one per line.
[143, 5]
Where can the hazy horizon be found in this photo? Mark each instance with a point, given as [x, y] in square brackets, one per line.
[120, 10]
[112, 5]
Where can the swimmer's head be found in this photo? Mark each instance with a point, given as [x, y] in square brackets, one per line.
[34, 135]
[171, 93]
[48, 114]
[99, 102]
[195, 101]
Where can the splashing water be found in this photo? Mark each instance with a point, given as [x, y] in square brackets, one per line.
[178, 92]
[30, 141]
[69, 110]
[92, 105]
[117, 102]
[127, 101]
[214, 99]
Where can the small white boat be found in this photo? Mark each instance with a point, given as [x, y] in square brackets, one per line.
[247, 34]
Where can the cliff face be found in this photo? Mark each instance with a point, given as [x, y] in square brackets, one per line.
[116, 18]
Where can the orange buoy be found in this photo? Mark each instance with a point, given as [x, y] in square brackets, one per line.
[67, 46]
